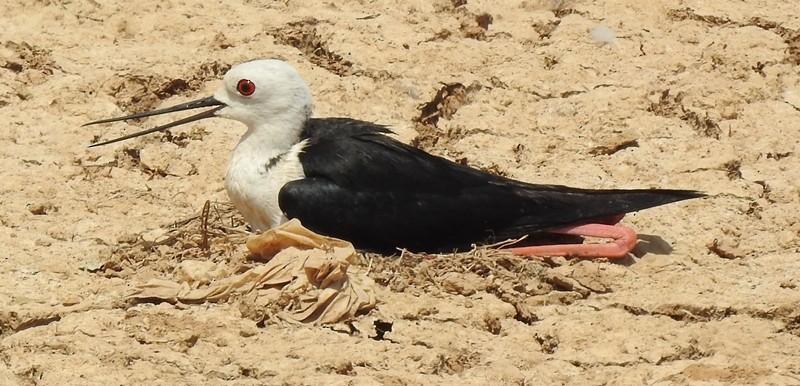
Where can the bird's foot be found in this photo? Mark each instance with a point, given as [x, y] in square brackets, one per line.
[624, 242]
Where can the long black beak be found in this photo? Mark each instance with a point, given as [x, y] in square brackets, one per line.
[205, 102]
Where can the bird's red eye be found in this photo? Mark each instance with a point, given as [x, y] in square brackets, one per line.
[246, 87]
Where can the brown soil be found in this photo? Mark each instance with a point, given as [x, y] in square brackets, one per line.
[689, 94]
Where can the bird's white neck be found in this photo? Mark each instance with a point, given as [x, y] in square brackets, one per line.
[261, 145]
[265, 159]
[268, 139]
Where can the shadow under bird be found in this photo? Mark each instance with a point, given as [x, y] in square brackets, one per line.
[346, 178]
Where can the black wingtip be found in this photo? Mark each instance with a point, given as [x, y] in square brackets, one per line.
[683, 194]
[636, 200]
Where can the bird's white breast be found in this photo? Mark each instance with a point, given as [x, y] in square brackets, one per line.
[255, 178]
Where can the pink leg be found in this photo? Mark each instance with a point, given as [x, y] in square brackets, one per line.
[624, 242]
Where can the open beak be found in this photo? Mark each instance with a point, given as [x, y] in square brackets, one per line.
[205, 102]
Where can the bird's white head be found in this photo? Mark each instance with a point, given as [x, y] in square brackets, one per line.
[268, 96]
[265, 95]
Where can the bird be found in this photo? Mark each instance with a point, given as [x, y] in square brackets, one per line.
[349, 179]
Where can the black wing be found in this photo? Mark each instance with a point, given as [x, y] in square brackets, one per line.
[378, 193]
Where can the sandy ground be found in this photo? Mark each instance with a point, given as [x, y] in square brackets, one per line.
[689, 94]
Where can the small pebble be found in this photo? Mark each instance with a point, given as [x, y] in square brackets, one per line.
[602, 34]
[42, 242]
[42, 208]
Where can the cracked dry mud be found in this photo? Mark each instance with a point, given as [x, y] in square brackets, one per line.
[695, 94]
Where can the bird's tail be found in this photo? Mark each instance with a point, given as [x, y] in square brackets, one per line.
[625, 201]
[555, 206]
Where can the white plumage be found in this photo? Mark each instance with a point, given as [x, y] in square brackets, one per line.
[266, 157]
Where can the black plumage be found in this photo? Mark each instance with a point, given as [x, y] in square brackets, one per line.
[378, 193]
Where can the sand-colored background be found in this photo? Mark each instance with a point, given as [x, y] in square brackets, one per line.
[689, 94]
